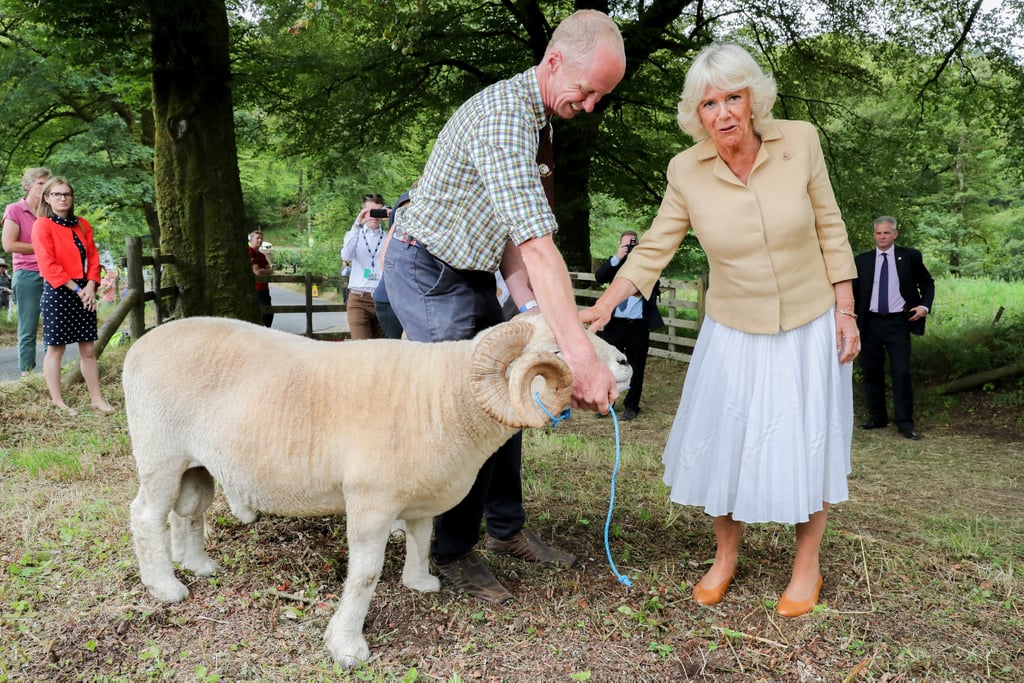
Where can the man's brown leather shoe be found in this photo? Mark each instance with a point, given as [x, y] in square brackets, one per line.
[527, 545]
[470, 575]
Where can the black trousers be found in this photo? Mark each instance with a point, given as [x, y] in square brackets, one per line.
[435, 302]
[263, 297]
[880, 335]
[632, 337]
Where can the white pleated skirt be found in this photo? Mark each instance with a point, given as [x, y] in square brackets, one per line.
[764, 424]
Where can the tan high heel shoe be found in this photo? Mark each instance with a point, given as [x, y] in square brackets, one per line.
[796, 608]
[711, 596]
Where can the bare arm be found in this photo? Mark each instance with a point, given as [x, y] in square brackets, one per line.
[12, 231]
[847, 333]
[516, 278]
[593, 384]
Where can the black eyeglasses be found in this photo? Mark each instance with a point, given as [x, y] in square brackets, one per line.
[62, 195]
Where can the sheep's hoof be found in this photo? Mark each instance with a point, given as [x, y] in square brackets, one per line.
[427, 583]
[168, 591]
[200, 566]
[244, 513]
[349, 653]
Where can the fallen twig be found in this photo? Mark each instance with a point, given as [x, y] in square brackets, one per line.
[297, 598]
[748, 636]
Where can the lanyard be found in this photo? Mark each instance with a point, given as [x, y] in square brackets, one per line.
[374, 250]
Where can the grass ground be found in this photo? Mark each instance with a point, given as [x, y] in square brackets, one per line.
[922, 569]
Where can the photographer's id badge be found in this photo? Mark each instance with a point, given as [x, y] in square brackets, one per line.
[370, 275]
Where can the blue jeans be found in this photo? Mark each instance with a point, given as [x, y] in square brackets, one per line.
[435, 302]
[28, 290]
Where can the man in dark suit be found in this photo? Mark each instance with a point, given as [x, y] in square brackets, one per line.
[629, 329]
[893, 295]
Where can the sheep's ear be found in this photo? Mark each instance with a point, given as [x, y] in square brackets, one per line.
[554, 392]
[494, 351]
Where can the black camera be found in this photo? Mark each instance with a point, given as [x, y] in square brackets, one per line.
[632, 243]
[379, 213]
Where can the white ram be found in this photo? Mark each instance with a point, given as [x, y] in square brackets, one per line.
[379, 429]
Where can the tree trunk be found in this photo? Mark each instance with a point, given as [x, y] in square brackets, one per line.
[198, 192]
[149, 207]
[574, 143]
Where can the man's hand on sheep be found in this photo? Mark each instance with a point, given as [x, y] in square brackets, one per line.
[593, 386]
[590, 384]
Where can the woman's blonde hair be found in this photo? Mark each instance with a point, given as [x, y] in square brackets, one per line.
[44, 204]
[724, 66]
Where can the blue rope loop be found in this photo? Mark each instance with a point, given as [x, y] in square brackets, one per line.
[623, 579]
[564, 415]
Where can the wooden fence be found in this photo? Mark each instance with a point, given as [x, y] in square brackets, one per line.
[682, 302]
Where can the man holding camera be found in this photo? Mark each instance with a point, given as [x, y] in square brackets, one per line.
[629, 329]
[261, 266]
[362, 248]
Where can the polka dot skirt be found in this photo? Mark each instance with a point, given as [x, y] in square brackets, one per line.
[65, 320]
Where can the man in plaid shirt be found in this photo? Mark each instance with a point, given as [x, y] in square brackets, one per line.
[481, 206]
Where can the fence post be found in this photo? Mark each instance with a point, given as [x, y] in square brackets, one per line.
[133, 256]
[309, 304]
[673, 293]
[157, 300]
[702, 290]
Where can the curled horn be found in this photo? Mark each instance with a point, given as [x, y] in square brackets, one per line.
[555, 392]
[509, 399]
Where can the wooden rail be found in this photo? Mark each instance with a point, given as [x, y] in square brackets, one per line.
[308, 280]
[681, 303]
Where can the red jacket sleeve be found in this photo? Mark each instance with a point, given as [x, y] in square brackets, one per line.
[59, 260]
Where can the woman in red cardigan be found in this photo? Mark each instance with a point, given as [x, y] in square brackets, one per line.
[70, 266]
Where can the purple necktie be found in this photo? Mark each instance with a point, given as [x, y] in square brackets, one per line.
[883, 286]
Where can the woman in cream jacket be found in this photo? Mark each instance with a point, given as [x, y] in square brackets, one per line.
[765, 420]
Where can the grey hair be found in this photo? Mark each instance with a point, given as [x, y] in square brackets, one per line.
[724, 66]
[579, 35]
[886, 219]
[29, 178]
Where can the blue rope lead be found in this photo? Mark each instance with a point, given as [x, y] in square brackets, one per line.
[623, 579]
[565, 414]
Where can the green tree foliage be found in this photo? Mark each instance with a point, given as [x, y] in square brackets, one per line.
[917, 104]
[80, 107]
[888, 86]
[351, 78]
[96, 59]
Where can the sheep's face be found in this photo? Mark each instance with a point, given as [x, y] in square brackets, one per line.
[544, 340]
